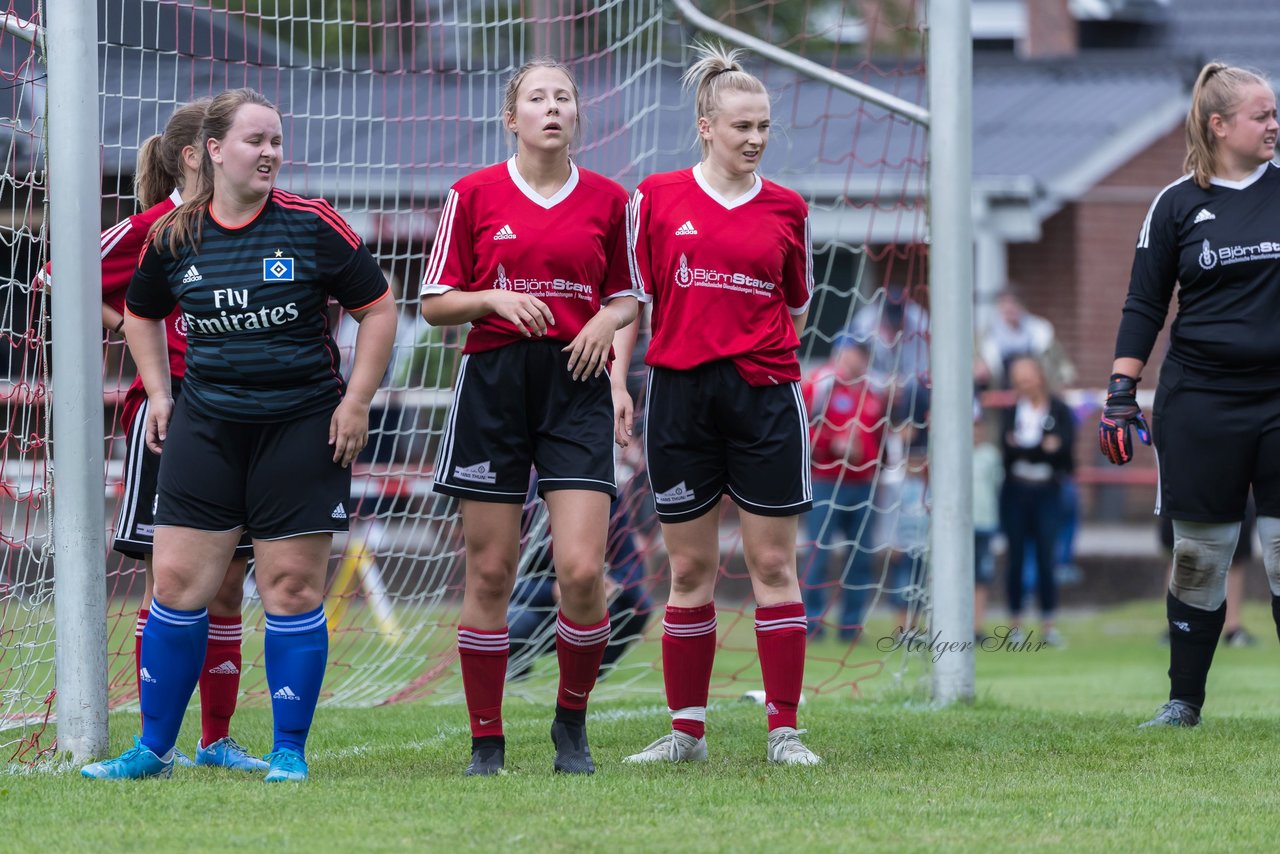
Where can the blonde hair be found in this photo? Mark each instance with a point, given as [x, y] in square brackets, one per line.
[1219, 90]
[512, 90]
[183, 225]
[715, 72]
[160, 166]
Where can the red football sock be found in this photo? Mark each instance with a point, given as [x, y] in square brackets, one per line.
[780, 640]
[688, 651]
[143, 613]
[220, 679]
[483, 655]
[579, 649]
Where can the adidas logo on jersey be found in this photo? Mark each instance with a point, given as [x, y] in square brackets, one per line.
[675, 494]
[505, 233]
[226, 668]
[339, 512]
[1203, 216]
[144, 675]
[480, 473]
[192, 275]
[687, 228]
[285, 693]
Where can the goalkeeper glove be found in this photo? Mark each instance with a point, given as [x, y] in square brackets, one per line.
[1120, 415]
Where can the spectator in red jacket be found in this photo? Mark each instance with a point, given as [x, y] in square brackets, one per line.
[846, 433]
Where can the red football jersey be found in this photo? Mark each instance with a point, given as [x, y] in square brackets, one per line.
[725, 276]
[843, 415]
[570, 250]
[121, 247]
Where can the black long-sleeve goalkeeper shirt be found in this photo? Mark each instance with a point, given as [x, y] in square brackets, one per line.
[1222, 246]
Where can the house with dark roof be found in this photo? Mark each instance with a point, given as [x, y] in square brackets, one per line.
[1087, 136]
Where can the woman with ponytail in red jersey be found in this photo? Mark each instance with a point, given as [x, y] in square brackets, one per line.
[726, 256]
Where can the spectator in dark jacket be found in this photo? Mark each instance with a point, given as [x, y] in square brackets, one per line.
[1036, 438]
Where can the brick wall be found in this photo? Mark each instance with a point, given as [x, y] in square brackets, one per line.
[1078, 276]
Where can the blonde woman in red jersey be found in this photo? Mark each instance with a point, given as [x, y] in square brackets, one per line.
[727, 258]
[532, 252]
[168, 163]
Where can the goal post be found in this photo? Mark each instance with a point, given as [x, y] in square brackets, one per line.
[950, 60]
[78, 512]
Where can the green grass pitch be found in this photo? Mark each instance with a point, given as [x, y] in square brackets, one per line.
[1048, 758]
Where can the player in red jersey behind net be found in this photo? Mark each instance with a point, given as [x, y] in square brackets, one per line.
[168, 164]
[533, 253]
[727, 257]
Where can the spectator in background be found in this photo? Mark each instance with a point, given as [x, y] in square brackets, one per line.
[1014, 332]
[423, 358]
[895, 329]
[1036, 435]
[988, 476]
[903, 504]
[846, 432]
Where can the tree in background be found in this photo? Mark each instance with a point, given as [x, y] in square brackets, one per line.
[878, 26]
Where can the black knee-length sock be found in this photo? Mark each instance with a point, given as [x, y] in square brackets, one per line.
[1275, 612]
[1193, 638]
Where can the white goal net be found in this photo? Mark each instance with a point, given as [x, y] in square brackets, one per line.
[386, 104]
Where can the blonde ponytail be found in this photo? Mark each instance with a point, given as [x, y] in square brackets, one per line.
[715, 72]
[1219, 90]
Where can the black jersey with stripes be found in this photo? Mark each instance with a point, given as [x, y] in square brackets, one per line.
[1221, 246]
[259, 346]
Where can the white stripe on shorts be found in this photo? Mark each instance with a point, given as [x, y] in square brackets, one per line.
[444, 459]
[137, 434]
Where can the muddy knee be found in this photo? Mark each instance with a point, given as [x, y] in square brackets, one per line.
[1201, 557]
[1269, 534]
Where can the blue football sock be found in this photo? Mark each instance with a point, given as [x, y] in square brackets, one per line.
[296, 651]
[173, 648]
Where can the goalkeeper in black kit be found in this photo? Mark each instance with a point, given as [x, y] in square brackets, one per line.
[1215, 233]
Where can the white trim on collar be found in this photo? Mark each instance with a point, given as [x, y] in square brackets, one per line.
[1247, 181]
[532, 194]
[721, 200]
[176, 197]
